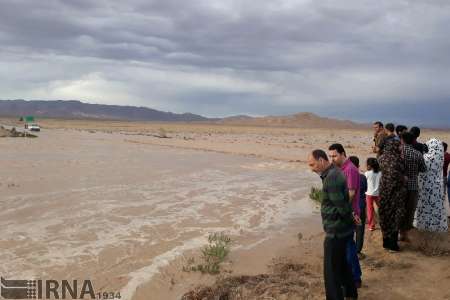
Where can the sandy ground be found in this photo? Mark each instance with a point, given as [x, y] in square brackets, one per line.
[115, 202]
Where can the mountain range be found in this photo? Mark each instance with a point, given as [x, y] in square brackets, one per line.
[74, 109]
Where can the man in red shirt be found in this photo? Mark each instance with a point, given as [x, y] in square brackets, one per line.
[340, 160]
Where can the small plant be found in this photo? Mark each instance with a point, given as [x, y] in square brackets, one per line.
[162, 133]
[316, 194]
[213, 254]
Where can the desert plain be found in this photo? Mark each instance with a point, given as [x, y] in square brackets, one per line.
[130, 204]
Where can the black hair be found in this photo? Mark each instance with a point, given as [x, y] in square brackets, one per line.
[415, 131]
[318, 153]
[390, 127]
[400, 128]
[379, 123]
[372, 162]
[339, 148]
[407, 137]
[445, 146]
[354, 160]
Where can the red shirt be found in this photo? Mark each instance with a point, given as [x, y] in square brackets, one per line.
[352, 175]
[446, 162]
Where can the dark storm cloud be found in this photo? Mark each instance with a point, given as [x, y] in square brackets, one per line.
[281, 56]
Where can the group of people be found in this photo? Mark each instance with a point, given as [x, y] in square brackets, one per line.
[406, 182]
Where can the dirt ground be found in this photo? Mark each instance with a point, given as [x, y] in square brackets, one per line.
[420, 271]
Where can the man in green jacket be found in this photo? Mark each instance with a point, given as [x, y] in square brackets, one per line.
[337, 220]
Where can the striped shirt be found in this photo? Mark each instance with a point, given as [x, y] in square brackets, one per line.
[336, 209]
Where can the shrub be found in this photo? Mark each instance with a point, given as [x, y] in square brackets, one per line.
[315, 194]
[213, 254]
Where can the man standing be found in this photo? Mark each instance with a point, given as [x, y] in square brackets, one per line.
[337, 222]
[351, 173]
[360, 229]
[399, 130]
[422, 148]
[379, 136]
[446, 163]
[389, 130]
[414, 163]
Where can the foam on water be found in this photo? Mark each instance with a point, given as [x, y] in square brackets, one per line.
[146, 273]
[253, 197]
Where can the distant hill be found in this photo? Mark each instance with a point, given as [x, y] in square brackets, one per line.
[299, 120]
[74, 109]
[78, 110]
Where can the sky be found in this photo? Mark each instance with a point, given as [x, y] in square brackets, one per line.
[359, 59]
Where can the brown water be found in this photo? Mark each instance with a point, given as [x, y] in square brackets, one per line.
[92, 205]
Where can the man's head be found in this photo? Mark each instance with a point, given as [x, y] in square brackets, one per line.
[337, 154]
[390, 128]
[445, 146]
[407, 138]
[400, 129]
[354, 160]
[318, 161]
[415, 131]
[377, 127]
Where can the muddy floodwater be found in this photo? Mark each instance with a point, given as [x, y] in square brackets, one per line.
[83, 205]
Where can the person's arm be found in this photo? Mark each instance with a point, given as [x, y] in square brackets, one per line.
[422, 165]
[374, 146]
[381, 144]
[332, 191]
[324, 194]
[351, 195]
[352, 184]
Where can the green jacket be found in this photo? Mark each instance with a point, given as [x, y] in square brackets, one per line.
[336, 210]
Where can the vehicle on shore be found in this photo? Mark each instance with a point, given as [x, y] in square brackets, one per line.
[32, 127]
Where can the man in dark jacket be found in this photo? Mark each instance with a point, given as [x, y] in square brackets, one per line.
[414, 164]
[422, 148]
[337, 219]
[360, 228]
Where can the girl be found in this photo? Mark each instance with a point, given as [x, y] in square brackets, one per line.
[373, 176]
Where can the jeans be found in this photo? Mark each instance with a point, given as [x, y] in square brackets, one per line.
[353, 260]
[337, 272]
[360, 229]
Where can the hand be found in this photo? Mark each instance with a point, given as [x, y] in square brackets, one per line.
[356, 219]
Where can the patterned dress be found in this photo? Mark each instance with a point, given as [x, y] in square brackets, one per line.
[392, 189]
[430, 213]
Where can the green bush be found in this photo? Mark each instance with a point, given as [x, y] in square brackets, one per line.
[316, 194]
[213, 254]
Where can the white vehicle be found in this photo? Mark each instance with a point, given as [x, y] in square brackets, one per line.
[33, 127]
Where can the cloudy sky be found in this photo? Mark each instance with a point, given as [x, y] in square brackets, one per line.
[361, 59]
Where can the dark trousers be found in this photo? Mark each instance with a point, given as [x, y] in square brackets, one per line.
[411, 205]
[360, 230]
[353, 260]
[337, 273]
[447, 184]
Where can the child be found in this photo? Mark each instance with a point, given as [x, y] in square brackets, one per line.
[362, 206]
[373, 176]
